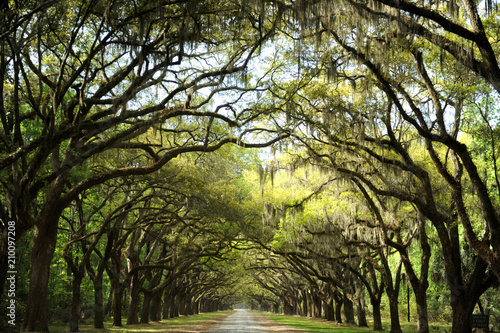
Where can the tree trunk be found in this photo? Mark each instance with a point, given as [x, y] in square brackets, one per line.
[146, 303]
[117, 305]
[317, 305]
[360, 303]
[174, 309]
[75, 301]
[188, 304]
[392, 290]
[462, 312]
[183, 305]
[394, 310]
[310, 305]
[98, 302]
[196, 307]
[339, 300]
[329, 310]
[422, 315]
[109, 302]
[377, 317]
[419, 285]
[117, 291]
[156, 305]
[167, 303]
[276, 307]
[304, 303]
[44, 244]
[287, 307]
[133, 301]
[348, 310]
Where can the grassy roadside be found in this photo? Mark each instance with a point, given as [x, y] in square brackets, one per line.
[195, 323]
[314, 325]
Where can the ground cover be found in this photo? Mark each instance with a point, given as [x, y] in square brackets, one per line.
[187, 324]
[314, 325]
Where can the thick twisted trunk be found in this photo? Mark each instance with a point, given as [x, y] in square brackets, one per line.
[422, 315]
[75, 301]
[133, 303]
[462, 312]
[394, 311]
[98, 302]
[44, 244]
[349, 310]
[329, 310]
[377, 316]
[360, 303]
[146, 307]
[339, 300]
[117, 290]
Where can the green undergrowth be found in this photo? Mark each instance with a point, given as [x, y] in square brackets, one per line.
[314, 325]
[153, 327]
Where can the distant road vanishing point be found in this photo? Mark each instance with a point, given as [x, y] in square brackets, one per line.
[240, 321]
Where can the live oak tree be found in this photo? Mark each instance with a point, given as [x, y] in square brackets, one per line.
[81, 80]
[409, 50]
[157, 227]
[96, 228]
[362, 152]
[397, 96]
[437, 45]
[413, 68]
[337, 240]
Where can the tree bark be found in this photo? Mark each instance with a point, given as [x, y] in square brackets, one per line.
[462, 311]
[44, 244]
[98, 302]
[360, 303]
[392, 290]
[117, 291]
[167, 303]
[339, 300]
[174, 308]
[133, 301]
[109, 302]
[189, 304]
[465, 297]
[156, 305]
[75, 301]
[394, 310]
[196, 307]
[146, 304]
[329, 310]
[304, 302]
[422, 314]
[310, 303]
[348, 310]
[77, 271]
[317, 305]
[377, 316]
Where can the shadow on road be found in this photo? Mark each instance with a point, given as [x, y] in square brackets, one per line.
[245, 321]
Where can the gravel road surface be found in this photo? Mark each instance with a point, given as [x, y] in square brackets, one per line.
[240, 321]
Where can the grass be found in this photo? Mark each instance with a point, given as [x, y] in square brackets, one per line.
[314, 325]
[203, 321]
[200, 321]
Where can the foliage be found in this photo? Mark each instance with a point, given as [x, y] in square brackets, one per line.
[202, 320]
[123, 160]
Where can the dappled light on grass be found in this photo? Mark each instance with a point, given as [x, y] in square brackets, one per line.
[313, 325]
[186, 324]
[310, 324]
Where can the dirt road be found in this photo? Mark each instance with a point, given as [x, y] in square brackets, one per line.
[244, 321]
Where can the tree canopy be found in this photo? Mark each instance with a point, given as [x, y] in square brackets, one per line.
[124, 157]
